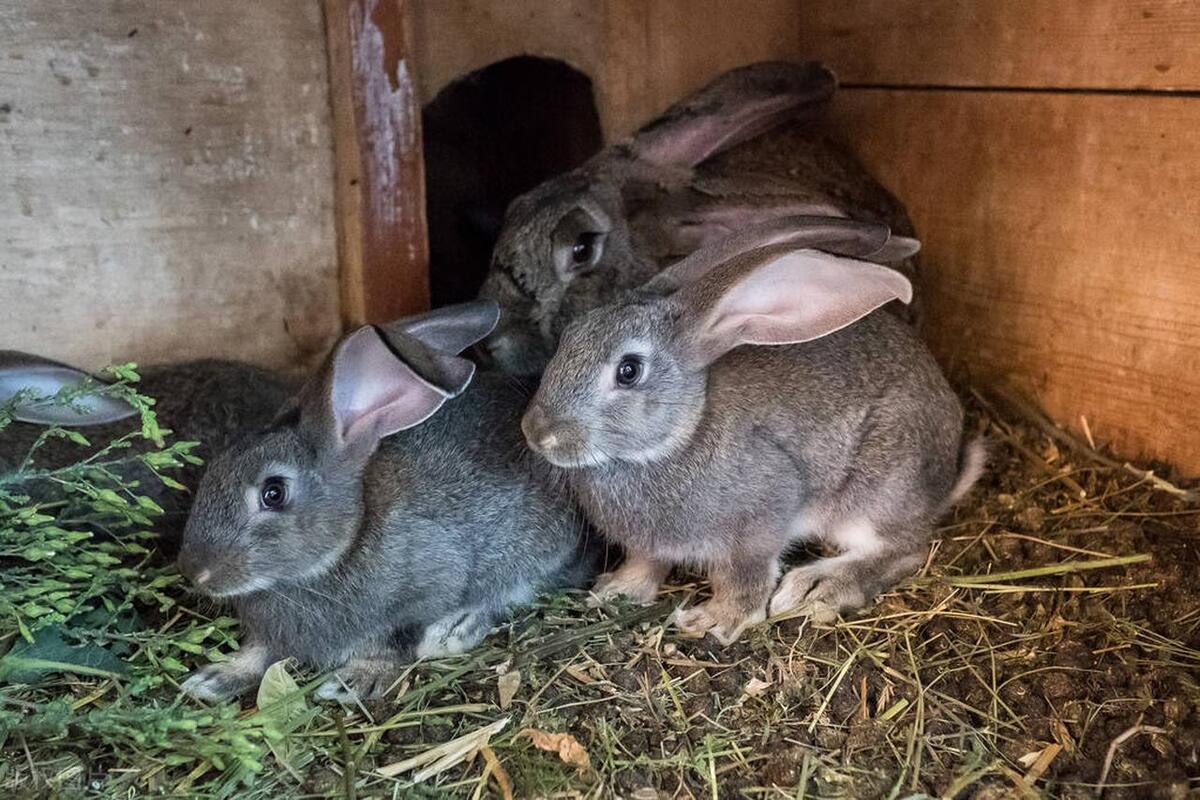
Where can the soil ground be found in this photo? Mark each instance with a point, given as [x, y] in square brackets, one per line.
[1015, 664]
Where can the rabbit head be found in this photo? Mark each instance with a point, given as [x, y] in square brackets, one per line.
[569, 245]
[283, 504]
[627, 383]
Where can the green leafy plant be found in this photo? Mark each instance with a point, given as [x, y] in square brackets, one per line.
[87, 601]
[76, 538]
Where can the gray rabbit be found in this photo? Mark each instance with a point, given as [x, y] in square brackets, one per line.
[691, 177]
[688, 446]
[208, 401]
[387, 512]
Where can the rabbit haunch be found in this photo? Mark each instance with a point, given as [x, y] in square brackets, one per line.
[687, 179]
[713, 452]
[390, 511]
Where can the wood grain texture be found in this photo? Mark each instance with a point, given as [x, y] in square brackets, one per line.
[663, 50]
[1114, 44]
[382, 243]
[166, 181]
[641, 55]
[1060, 247]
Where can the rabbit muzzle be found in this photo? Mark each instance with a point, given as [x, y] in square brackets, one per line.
[214, 573]
[562, 442]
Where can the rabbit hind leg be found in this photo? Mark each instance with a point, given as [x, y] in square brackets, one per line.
[869, 564]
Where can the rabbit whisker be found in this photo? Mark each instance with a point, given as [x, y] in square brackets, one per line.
[326, 596]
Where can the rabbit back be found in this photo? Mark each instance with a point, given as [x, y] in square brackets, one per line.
[502, 510]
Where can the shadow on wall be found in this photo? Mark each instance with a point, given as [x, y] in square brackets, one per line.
[490, 136]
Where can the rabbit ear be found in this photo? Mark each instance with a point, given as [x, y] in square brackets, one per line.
[46, 378]
[451, 329]
[375, 391]
[896, 249]
[682, 228]
[837, 235]
[735, 107]
[781, 295]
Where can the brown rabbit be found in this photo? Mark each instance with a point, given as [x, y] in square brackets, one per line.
[692, 176]
[689, 442]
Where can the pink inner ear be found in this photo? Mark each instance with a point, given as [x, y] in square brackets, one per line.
[798, 297]
[375, 394]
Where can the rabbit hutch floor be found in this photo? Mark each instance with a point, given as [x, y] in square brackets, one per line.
[1051, 647]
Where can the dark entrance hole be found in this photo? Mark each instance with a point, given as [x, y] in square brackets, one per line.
[490, 136]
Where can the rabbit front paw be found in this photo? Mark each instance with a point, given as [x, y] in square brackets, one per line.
[724, 621]
[818, 591]
[638, 579]
[359, 679]
[225, 679]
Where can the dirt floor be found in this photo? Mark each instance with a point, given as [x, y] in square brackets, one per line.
[1017, 663]
[1051, 647]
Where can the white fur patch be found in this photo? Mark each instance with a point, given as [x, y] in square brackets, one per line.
[450, 635]
[212, 683]
[974, 463]
[805, 525]
[856, 539]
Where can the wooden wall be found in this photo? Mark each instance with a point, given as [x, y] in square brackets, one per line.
[1049, 154]
[383, 248]
[642, 55]
[166, 181]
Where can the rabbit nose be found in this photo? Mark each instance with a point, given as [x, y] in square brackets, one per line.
[533, 425]
[191, 566]
[543, 433]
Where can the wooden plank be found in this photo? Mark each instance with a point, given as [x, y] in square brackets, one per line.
[452, 39]
[661, 51]
[166, 181]
[1114, 44]
[1060, 246]
[642, 56]
[380, 178]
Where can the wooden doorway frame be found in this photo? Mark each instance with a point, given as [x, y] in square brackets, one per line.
[383, 252]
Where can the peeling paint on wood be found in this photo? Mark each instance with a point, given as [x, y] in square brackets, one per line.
[380, 181]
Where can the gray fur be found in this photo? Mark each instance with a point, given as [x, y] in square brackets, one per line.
[418, 547]
[726, 466]
[702, 170]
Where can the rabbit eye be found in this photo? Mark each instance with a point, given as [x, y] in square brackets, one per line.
[274, 493]
[586, 248]
[629, 371]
